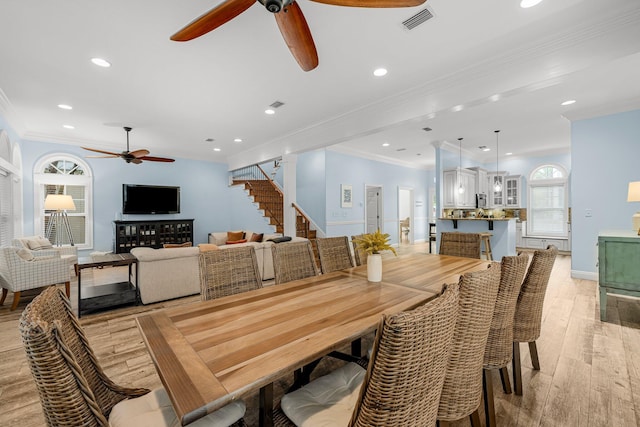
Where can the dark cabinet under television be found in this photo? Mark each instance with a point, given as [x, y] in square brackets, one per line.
[152, 234]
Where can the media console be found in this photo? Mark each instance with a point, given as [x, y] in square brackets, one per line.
[153, 234]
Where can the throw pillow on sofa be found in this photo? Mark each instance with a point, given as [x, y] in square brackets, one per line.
[233, 236]
[280, 239]
[206, 247]
[177, 245]
[256, 237]
[234, 242]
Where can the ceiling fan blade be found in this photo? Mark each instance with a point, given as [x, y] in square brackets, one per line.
[134, 161]
[156, 159]
[139, 153]
[373, 3]
[211, 20]
[101, 151]
[297, 35]
[102, 157]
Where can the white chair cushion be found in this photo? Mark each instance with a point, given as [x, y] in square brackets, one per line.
[154, 410]
[326, 401]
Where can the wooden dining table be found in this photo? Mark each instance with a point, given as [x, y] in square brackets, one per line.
[210, 353]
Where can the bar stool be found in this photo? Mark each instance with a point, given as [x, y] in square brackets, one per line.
[486, 239]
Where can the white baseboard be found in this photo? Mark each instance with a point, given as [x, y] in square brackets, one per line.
[586, 275]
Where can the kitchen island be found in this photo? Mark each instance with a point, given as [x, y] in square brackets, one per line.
[503, 232]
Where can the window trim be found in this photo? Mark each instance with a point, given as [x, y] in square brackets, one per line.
[551, 182]
[40, 179]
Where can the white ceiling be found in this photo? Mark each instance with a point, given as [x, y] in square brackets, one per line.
[502, 66]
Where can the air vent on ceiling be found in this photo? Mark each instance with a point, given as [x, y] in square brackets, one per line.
[419, 18]
[401, 149]
[427, 129]
[276, 104]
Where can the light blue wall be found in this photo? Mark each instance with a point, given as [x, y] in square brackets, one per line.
[358, 172]
[204, 192]
[605, 154]
[311, 186]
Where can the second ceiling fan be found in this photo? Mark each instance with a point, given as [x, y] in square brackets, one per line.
[292, 23]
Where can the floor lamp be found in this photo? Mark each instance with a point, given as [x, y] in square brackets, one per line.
[59, 204]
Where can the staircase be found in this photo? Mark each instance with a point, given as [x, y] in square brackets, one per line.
[270, 199]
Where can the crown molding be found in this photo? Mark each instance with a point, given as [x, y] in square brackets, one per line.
[10, 115]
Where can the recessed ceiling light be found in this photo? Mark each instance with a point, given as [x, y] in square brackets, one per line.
[216, 149]
[101, 62]
[237, 140]
[379, 72]
[569, 102]
[495, 98]
[68, 127]
[484, 148]
[65, 106]
[386, 144]
[457, 108]
[269, 111]
[508, 154]
[529, 3]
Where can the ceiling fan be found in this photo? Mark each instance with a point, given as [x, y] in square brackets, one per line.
[135, 157]
[293, 26]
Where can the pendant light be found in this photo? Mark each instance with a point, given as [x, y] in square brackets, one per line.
[460, 187]
[497, 185]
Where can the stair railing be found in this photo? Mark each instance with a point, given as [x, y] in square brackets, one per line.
[302, 231]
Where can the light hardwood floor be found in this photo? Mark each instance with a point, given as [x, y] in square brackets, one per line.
[590, 370]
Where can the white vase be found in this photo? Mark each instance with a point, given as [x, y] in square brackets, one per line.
[374, 268]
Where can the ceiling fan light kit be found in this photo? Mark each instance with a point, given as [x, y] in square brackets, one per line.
[289, 17]
[136, 157]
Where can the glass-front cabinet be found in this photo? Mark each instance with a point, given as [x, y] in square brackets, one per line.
[512, 191]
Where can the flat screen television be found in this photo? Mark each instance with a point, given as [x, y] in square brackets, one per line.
[150, 199]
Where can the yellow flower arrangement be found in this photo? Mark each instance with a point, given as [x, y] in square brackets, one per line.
[373, 243]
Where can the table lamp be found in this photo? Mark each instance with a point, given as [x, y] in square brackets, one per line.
[59, 204]
[634, 196]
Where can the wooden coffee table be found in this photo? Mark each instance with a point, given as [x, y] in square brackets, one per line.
[93, 298]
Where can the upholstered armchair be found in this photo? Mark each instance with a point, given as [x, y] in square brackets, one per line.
[40, 246]
[20, 271]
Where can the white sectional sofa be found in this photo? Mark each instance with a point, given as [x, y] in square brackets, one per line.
[169, 273]
[263, 249]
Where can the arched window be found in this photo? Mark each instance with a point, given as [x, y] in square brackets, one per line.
[547, 212]
[70, 175]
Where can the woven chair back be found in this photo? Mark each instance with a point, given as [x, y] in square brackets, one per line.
[293, 261]
[358, 254]
[228, 271]
[334, 254]
[528, 317]
[462, 388]
[460, 244]
[499, 350]
[408, 364]
[73, 388]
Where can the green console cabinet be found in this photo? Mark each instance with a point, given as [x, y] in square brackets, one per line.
[619, 265]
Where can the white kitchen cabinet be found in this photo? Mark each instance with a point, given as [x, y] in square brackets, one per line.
[482, 183]
[519, 238]
[452, 198]
[512, 191]
[543, 242]
[496, 198]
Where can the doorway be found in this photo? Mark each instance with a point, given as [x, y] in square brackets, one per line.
[373, 209]
[405, 216]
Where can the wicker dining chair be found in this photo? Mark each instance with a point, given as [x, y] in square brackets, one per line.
[334, 254]
[293, 261]
[228, 271]
[498, 351]
[460, 244]
[528, 318]
[73, 388]
[402, 383]
[358, 254]
[462, 390]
